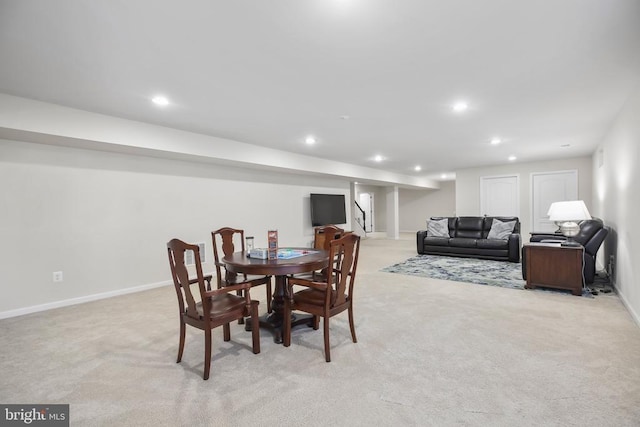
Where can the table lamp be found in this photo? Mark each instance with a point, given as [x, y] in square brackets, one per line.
[567, 214]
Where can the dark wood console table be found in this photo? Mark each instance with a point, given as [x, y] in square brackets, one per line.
[550, 265]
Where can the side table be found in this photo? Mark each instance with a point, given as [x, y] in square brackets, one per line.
[553, 266]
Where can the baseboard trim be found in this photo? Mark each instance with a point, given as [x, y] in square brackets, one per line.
[80, 300]
[628, 306]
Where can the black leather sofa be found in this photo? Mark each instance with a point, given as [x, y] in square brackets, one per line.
[592, 234]
[468, 238]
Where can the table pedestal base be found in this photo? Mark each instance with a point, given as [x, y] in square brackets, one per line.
[273, 323]
[280, 269]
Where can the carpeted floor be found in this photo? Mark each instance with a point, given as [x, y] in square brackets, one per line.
[470, 270]
[429, 353]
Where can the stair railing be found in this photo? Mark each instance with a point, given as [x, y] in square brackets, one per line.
[361, 217]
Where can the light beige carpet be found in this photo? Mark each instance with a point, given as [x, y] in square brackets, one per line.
[430, 353]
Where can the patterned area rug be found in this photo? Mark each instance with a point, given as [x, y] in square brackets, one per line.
[483, 272]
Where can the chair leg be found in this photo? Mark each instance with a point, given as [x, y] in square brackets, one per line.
[226, 329]
[351, 324]
[286, 323]
[327, 348]
[316, 322]
[183, 328]
[240, 320]
[255, 327]
[207, 353]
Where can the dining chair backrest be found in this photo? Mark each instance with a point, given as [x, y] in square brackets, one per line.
[226, 240]
[324, 235]
[187, 301]
[344, 253]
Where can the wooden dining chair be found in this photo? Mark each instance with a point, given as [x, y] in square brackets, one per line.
[207, 309]
[329, 297]
[322, 237]
[227, 240]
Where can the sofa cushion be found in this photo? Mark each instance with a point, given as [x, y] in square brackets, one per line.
[436, 241]
[493, 244]
[462, 242]
[438, 228]
[469, 226]
[501, 229]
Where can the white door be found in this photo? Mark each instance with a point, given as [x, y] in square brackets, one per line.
[500, 195]
[549, 187]
[365, 200]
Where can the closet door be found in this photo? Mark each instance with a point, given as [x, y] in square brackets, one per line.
[500, 195]
[549, 187]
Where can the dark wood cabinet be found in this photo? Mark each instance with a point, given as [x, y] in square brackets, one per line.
[550, 265]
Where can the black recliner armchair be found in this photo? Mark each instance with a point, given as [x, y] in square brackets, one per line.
[592, 234]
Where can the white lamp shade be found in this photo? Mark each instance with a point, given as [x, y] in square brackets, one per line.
[574, 210]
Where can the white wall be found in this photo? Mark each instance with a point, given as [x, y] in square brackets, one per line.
[468, 185]
[34, 121]
[393, 212]
[417, 206]
[104, 218]
[616, 198]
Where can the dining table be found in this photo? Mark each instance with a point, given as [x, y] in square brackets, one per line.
[304, 260]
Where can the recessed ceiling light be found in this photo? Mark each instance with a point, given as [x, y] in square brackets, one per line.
[512, 158]
[443, 176]
[417, 168]
[160, 100]
[378, 158]
[495, 141]
[310, 140]
[460, 107]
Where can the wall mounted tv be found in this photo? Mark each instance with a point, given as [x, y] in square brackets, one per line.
[327, 209]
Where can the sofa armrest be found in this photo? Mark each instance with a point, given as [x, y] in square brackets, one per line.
[514, 247]
[539, 237]
[420, 235]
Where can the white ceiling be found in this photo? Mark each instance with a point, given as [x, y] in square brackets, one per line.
[539, 74]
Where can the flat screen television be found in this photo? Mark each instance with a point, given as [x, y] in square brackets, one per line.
[327, 209]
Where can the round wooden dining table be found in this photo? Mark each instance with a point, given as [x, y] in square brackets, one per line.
[313, 259]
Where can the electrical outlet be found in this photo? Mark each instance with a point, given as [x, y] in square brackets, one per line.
[57, 276]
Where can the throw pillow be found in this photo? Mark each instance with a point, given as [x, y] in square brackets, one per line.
[501, 229]
[438, 228]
